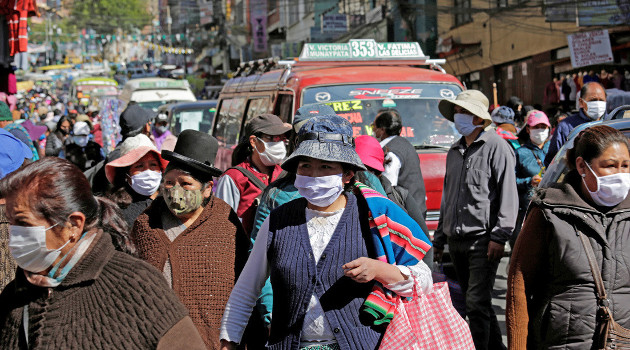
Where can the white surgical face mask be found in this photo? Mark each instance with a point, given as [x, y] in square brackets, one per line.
[538, 136]
[595, 109]
[161, 129]
[320, 191]
[28, 247]
[464, 123]
[611, 189]
[146, 182]
[81, 141]
[274, 153]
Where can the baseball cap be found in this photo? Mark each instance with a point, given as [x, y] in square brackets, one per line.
[536, 117]
[267, 124]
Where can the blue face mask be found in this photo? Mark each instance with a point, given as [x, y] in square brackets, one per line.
[56, 280]
[464, 123]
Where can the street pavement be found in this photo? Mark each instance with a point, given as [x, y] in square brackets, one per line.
[498, 296]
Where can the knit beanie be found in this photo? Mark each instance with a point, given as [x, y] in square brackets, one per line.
[5, 113]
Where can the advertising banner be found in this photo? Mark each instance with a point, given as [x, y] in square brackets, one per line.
[258, 15]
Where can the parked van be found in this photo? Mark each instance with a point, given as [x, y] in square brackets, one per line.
[151, 93]
[357, 79]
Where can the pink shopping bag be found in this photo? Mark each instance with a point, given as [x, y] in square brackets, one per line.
[428, 322]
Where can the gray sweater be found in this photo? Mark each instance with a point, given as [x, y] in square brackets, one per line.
[479, 196]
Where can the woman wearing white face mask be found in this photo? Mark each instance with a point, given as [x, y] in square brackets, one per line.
[136, 176]
[255, 164]
[551, 298]
[74, 288]
[316, 250]
[529, 163]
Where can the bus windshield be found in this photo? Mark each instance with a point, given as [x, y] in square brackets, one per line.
[417, 103]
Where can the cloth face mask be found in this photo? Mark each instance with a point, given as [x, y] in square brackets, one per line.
[146, 182]
[611, 189]
[28, 247]
[538, 136]
[595, 109]
[320, 191]
[464, 123]
[181, 201]
[274, 153]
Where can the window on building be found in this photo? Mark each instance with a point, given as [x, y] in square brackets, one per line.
[462, 11]
[502, 3]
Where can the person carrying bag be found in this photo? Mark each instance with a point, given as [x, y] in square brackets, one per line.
[427, 321]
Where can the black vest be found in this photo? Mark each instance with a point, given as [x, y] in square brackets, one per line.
[410, 175]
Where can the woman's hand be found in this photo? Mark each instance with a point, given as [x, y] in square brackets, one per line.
[227, 345]
[536, 180]
[364, 270]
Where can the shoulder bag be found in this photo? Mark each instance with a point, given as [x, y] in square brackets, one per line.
[608, 333]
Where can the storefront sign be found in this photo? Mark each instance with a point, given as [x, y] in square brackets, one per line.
[590, 48]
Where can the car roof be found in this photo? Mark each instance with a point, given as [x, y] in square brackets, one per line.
[185, 105]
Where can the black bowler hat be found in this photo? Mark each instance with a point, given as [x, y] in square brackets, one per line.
[195, 152]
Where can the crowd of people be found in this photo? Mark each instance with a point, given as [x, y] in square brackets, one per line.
[149, 245]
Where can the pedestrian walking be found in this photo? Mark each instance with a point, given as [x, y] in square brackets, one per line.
[529, 164]
[136, 176]
[279, 192]
[194, 238]
[592, 107]
[162, 137]
[256, 163]
[402, 167]
[503, 118]
[83, 152]
[72, 288]
[552, 299]
[303, 244]
[478, 212]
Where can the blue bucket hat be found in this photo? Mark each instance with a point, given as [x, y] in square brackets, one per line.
[503, 115]
[325, 137]
[307, 112]
[12, 153]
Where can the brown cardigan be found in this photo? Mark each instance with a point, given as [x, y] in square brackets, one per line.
[205, 259]
[7, 264]
[109, 300]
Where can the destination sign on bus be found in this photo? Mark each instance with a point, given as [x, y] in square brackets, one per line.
[362, 49]
[162, 84]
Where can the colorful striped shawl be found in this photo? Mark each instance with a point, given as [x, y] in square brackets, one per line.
[397, 240]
